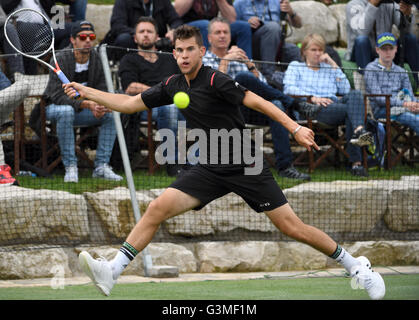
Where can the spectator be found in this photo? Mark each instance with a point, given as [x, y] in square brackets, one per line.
[404, 106]
[14, 61]
[226, 60]
[264, 17]
[320, 78]
[366, 19]
[198, 13]
[125, 15]
[143, 69]
[77, 9]
[10, 97]
[82, 65]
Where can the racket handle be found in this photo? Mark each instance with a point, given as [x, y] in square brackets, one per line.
[64, 80]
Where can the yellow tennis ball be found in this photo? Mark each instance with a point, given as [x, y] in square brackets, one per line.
[181, 100]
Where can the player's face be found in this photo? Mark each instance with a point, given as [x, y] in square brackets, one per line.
[313, 53]
[145, 35]
[387, 53]
[220, 36]
[188, 55]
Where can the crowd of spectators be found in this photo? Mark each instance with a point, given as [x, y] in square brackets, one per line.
[233, 34]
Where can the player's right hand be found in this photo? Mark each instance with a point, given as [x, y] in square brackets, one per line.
[71, 89]
[305, 138]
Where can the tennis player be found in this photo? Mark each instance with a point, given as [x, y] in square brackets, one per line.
[215, 101]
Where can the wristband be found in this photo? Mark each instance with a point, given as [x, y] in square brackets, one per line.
[296, 130]
[251, 68]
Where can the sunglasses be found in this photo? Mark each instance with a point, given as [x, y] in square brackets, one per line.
[83, 36]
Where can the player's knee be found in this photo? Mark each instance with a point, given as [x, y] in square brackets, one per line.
[295, 230]
[157, 212]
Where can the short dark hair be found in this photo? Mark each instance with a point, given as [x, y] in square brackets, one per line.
[185, 31]
[147, 19]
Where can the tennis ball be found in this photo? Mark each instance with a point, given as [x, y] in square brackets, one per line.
[181, 100]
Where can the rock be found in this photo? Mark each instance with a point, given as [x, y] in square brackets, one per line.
[316, 18]
[387, 253]
[339, 12]
[340, 206]
[39, 263]
[403, 207]
[114, 208]
[237, 256]
[100, 16]
[41, 215]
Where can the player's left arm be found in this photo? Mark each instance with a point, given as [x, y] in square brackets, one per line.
[304, 136]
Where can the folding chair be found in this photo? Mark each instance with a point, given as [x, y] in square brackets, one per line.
[333, 141]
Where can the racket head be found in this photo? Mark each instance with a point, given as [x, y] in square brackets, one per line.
[29, 32]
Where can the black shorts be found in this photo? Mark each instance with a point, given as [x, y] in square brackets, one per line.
[261, 192]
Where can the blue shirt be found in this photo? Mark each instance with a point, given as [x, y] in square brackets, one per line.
[326, 82]
[378, 80]
[245, 9]
[234, 67]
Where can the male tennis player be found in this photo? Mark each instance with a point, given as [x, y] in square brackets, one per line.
[215, 100]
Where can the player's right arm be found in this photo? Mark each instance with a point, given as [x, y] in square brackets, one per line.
[117, 102]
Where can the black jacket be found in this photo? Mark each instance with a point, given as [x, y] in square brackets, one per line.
[9, 5]
[126, 13]
[54, 92]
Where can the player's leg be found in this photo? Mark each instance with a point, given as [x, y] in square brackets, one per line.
[291, 225]
[287, 222]
[170, 203]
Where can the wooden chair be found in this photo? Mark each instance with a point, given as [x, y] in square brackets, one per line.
[332, 141]
[400, 139]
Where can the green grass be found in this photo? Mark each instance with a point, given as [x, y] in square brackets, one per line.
[144, 181]
[399, 287]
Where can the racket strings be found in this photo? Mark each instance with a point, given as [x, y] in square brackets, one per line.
[29, 33]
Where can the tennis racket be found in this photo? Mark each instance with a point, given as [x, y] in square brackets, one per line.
[29, 33]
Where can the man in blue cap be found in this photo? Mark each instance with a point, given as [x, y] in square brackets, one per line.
[383, 76]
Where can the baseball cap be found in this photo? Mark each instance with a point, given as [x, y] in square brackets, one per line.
[83, 25]
[386, 38]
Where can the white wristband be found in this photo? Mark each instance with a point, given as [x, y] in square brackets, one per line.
[296, 130]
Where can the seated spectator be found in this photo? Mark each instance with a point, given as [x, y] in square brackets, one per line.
[142, 70]
[125, 15]
[82, 65]
[366, 19]
[14, 61]
[395, 81]
[10, 97]
[198, 13]
[320, 78]
[77, 9]
[265, 17]
[220, 56]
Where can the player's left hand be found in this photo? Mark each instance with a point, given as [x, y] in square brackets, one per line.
[305, 137]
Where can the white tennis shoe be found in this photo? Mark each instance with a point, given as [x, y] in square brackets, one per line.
[369, 279]
[99, 271]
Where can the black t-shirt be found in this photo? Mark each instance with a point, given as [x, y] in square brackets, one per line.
[215, 101]
[134, 68]
[202, 10]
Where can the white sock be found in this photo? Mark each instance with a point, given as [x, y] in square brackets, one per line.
[118, 264]
[343, 257]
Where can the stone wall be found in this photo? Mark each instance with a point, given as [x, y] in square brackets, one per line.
[207, 257]
[40, 216]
